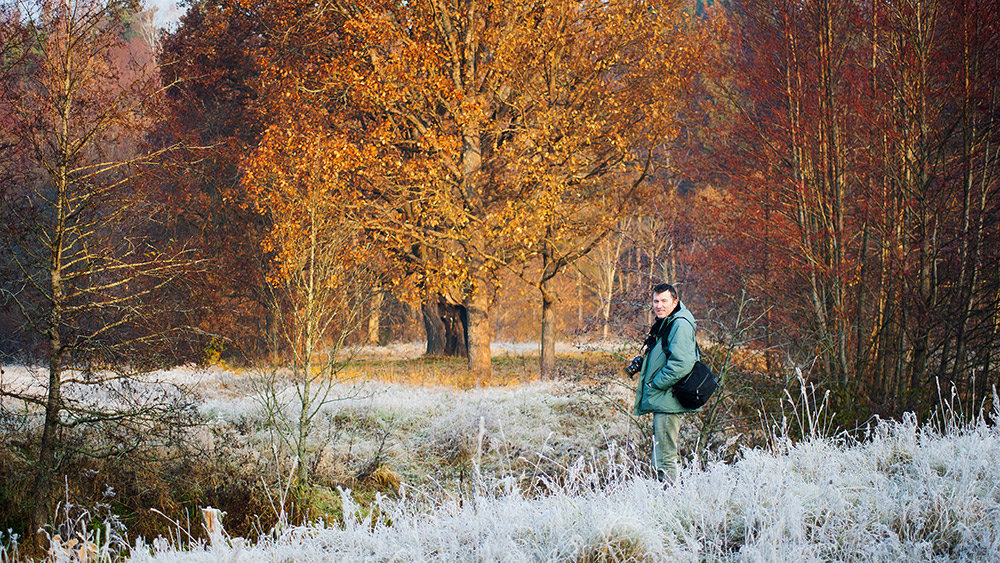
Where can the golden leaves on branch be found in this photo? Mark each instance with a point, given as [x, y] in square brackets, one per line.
[474, 131]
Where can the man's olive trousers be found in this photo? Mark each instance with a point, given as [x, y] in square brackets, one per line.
[666, 431]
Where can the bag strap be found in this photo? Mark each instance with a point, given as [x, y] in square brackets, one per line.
[695, 336]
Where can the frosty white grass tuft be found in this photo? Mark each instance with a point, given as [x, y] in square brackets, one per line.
[903, 492]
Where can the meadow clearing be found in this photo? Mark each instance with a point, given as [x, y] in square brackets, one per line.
[411, 463]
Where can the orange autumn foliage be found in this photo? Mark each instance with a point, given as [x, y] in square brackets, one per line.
[464, 137]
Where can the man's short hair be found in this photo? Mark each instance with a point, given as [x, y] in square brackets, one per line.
[663, 288]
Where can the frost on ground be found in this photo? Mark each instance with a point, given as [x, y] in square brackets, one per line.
[545, 472]
[430, 435]
[903, 492]
[907, 493]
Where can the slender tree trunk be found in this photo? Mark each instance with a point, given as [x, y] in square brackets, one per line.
[921, 341]
[375, 317]
[831, 201]
[301, 452]
[47, 449]
[479, 334]
[606, 313]
[609, 272]
[961, 355]
[971, 238]
[866, 335]
[548, 358]
[920, 161]
[860, 302]
[308, 345]
[273, 336]
[670, 267]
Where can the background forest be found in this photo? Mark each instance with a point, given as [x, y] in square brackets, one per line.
[287, 189]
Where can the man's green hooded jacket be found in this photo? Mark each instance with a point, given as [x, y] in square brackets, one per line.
[662, 368]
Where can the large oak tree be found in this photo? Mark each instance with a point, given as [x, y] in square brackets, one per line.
[476, 135]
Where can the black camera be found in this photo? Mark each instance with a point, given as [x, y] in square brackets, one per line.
[634, 366]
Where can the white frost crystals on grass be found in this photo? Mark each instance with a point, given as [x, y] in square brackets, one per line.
[907, 492]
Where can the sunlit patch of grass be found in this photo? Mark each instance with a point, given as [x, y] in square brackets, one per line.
[509, 370]
[432, 371]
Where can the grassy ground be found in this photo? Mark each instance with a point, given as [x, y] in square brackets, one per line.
[508, 369]
[398, 427]
[416, 426]
[542, 471]
[411, 460]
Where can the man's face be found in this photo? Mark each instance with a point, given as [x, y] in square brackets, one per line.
[663, 304]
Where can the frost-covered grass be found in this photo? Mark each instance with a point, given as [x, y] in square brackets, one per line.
[431, 434]
[549, 471]
[904, 493]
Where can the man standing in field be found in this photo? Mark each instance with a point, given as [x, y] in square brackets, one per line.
[670, 355]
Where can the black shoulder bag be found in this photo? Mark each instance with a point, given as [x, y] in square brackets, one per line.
[695, 388]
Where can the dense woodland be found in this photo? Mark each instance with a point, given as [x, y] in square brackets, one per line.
[272, 181]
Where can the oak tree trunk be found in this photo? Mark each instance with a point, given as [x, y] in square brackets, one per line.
[433, 326]
[456, 321]
[477, 308]
[375, 318]
[548, 358]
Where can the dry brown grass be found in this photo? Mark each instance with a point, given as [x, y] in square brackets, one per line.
[508, 370]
